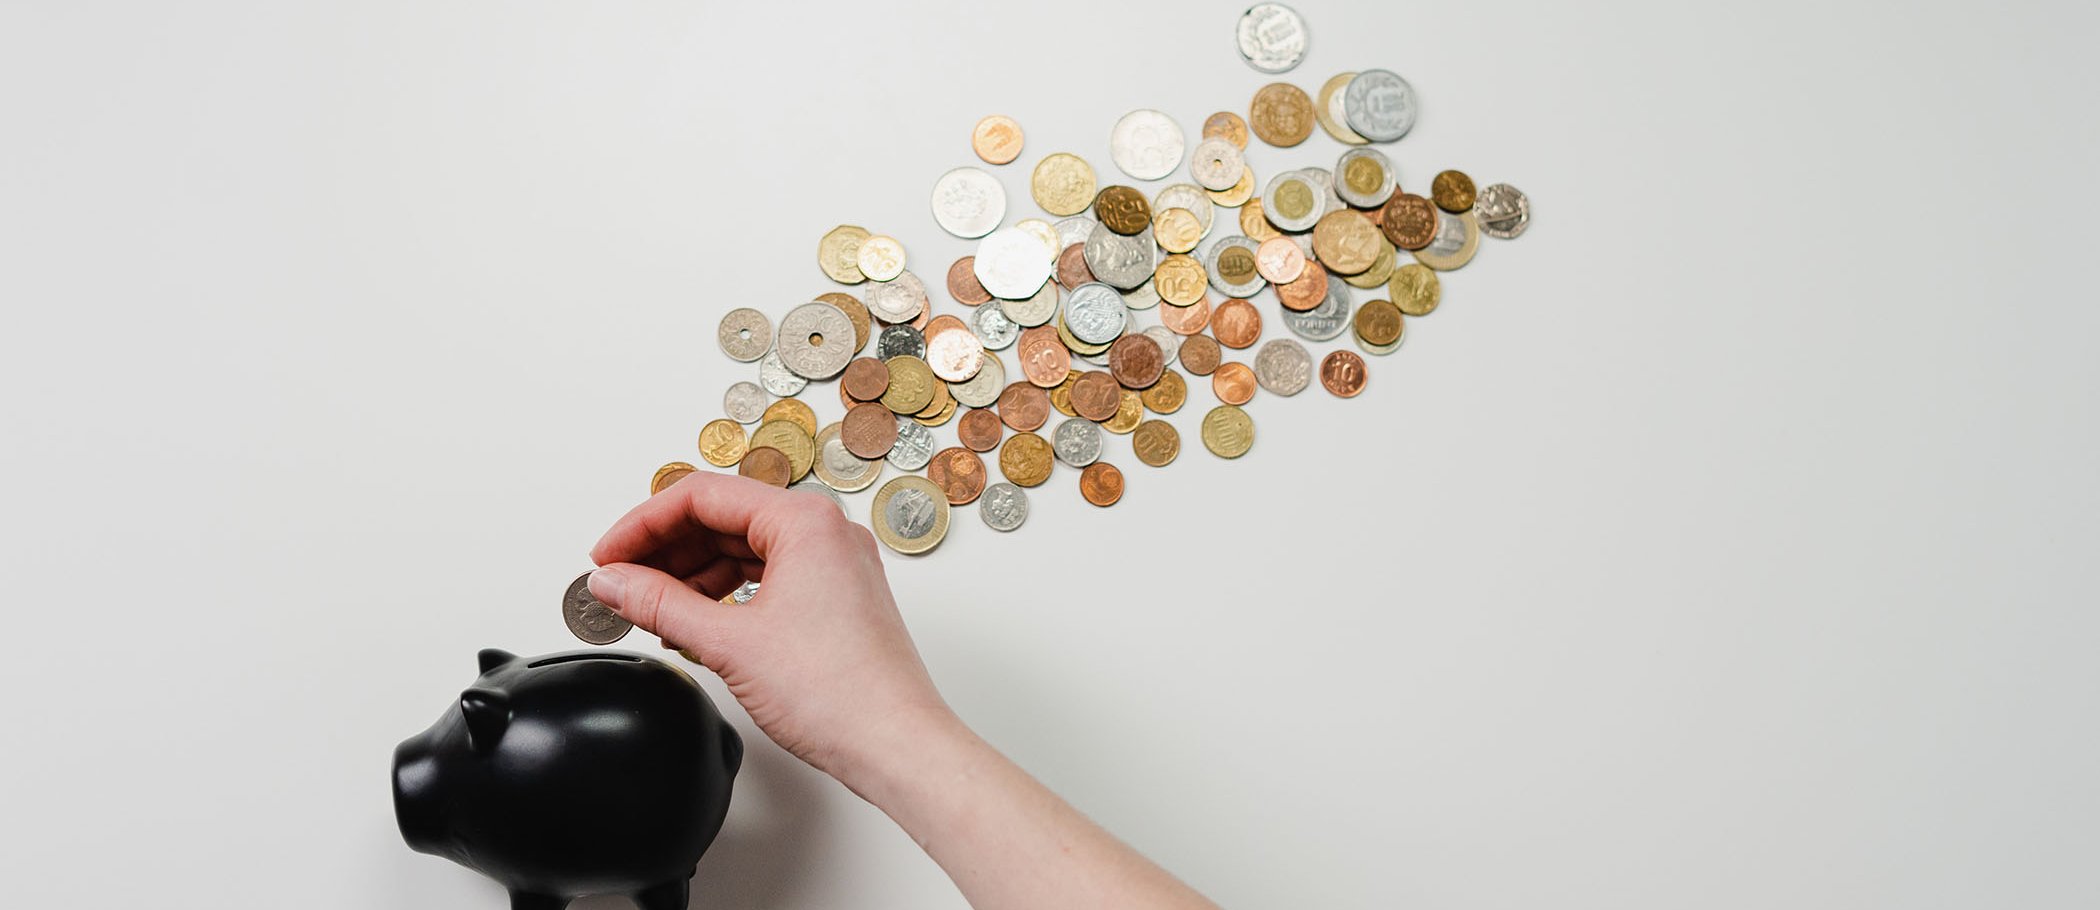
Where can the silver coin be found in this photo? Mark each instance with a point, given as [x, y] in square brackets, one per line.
[1379, 105]
[1450, 237]
[912, 513]
[1272, 37]
[745, 334]
[1003, 506]
[968, 202]
[1035, 310]
[744, 592]
[816, 340]
[810, 485]
[899, 341]
[1119, 261]
[900, 299]
[590, 620]
[1323, 322]
[1095, 313]
[1077, 442]
[1075, 229]
[745, 402]
[914, 446]
[1169, 341]
[1146, 144]
[1503, 210]
[994, 330]
[1185, 196]
[775, 377]
[1381, 349]
[1379, 193]
[1339, 117]
[838, 468]
[981, 390]
[1283, 367]
[1248, 288]
[1099, 360]
[1142, 297]
[1011, 265]
[1217, 164]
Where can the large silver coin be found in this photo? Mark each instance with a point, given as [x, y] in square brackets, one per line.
[840, 469]
[981, 390]
[1216, 164]
[775, 377]
[900, 341]
[1283, 183]
[1503, 211]
[1095, 313]
[811, 485]
[1075, 229]
[1033, 311]
[1379, 105]
[1146, 144]
[993, 327]
[914, 446]
[1374, 178]
[1003, 506]
[1272, 37]
[745, 402]
[1011, 265]
[1119, 261]
[1169, 341]
[816, 340]
[1218, 280]
[588, 619]
[1323, 322]
[745, 334]
[1077, 442]
[1283, 367]
[900, 299]
[1142, 297]
[968, 202]
[1185, 196]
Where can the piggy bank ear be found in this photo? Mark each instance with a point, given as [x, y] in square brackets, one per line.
[488, 715]
[491, 658]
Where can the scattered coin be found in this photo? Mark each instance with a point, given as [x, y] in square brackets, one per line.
[1327, 109]
[868, 431]
[1228, 126]
[1175, 230]
[1025, 459]
[767, 465]
[1044, 358]
[1200, 354]
[1167, 395]
[1292, 202]
[1156, 443]
[775, 377]
[1146, 144]
[963, 284]
[1281, 114]
[1238, 194]
[855, 311]
[1409, 221]
[745, 334]
[1504, 211]
[880, 257]
[722, 442]
[838, 254]
[1272, 37]
[1121, 262]
[1185, 320]
[968, 202]
[837, 467]
[1233, 382]
[1379, 324]
[914, 445]
[790, 439]
[993, 328]
[1095, 313]
[817, 487]
[1279, 260]
[865, 379]
[1123, 210]
[1236, 323]
[959, 474]
[1283, 367]
[1364, 178]
[1452, 191]
[900, 299]
[589, 619]
[1415, 289]
[1179, 279]
[744, 402]
[1136, 361]
[1379, 105]
[816, 341]
[1227, 431]
[997, 139]
[1094, 396]
[668, 475]
[1062, 183]
[1347, 242]
[1216, 164]
[1077, 442]
[979, 429]
[1457, 239]
[910, 515]
[1010, 264]
[911, 385]
[1024, 406]
[1035, 310]
[1003, 506]
[1130, 411]
[1101, 483]
[952, 350]
[1307, 292]
[1342, 373]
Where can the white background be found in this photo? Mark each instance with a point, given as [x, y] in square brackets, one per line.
[1726, 541]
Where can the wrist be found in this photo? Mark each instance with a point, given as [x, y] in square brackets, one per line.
[896, 757]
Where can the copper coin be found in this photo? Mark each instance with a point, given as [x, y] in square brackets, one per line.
[1236, 323]
[1071, 267]
[1136, 361]
[959, 473]
[768, 465]
[953, 352]
[1309, 291]
[1101, 483]
[1096, 395]
[963, 284]
[1282, 114]
[1408, 220]
[668, 475]
[866, 379]
[980, 430]
[1185, 320]
[1279, 259]
[1123, 209]
[868, 431]
[1044, 358]
[1453, 192]
[1200, 354]
[1233, 383]
[1378, 323]
[1024, 406]
[1343, 373]
[1228, 126]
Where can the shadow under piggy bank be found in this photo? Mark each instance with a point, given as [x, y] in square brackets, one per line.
[580, 772]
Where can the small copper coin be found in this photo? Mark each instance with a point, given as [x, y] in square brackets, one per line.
[980, 429]
[1409, 221]
[1136, 361]
[1071, 267]
[996, 139]
[1308, 292]
[1343, 373]
[1185, 320]
[1123, 209]
[959, 473]
[1233, 382]
[1200, 354]
[1236, 323]
[1096, 395]
[1378, 323]
[767, 465]
[668, 475]
[1024, 406]
[1279, 259]
[866, 379]
[963, 284]
[1282, 114]
[1452, 191]
[1101, 483]
[868, 431]
[1156, 443]
[1228, 126]
[1044, 358]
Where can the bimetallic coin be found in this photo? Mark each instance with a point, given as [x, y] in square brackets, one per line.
[994, 329]
[1010, 264]
[1283, 367]
[1200, 354]
[1236, 323]
[959, 473]
[900, 341]
[816, 340]
[1062, 183]
[1101, 483]
[1003, 506]
[768, 466]
[1233, 382]
[1119, 261]
[1216, 164]
[1327, 109]
[1409, 221]
[968, 202]
[1228, 126]
[880, 257]
[775, 377]
[914, 445]
[669, 474]
[1167, 395]
[1379, 105]
[838, 253]
[1416, 290]
[589, 619]
[1342, 373]
[984, 388]
[1281, 114]
[1077, 442]
[996, 139]
[910, 515]
[745, 334]
[1145, 144]
[1025, 459]
[1504, 211]
[1272, 37]
[1457, 239]
[1095, 313]
[1323, 322]
[1227, 431]
[1233, 267]
[722, 442]
[1292, 202]
[900, 299]
[1452, 191]
[1364, 178]
[744, 402]
[837, 467]
[1156, 442]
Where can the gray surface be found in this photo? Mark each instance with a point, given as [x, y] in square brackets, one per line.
[1704, 560]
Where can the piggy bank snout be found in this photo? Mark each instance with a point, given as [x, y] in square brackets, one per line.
[417, 803]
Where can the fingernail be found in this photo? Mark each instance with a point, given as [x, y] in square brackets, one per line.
[606, 583]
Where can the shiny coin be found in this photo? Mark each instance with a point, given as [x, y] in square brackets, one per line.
[1200, 354]
[968, 202]
[668, 475]
[865, 379]
[854, 310]
[1186, 196]
[838, 253]
[910, 515]
[1347, 242]
[911, 385]
[1095, 313]
[1101, 483]
[963, 284]
[868, 431]
[900, 299]
[1156, 442]
[1379, 105]
[1323, 322]
[1175, 230]
[1228, 126]
[979, 429]
[1278, 259]
[1145, 144]
[1010, 264]
[1179, 279]
[880, 257]
[1379, 325]
[994, 330]
[1416, 290]
[1071, 270]
[1062, 183]
[1003, 506]
[1216, 164]
[900, 341]
[1504, 211]
[1185, 320]
[1233, 382]
[1254, 222]
[1077, 442]
[816, 340]
[996, 139]
[1167, 395]
[1283, 367]
[1045, 234]
[952, 350]
[722, 442]
[959, 473]
[1095, 396]
[1305, 293]
[767, 465]
[837, 467]
[1292, 202]
[1452, 191]
[775, 377]
[745, 334]
[1123, 210]
[1135, 361]
[1023, 406]
[1238, 194]
[744, 402]
[1327, 109]
[1342, 373]
[1281, 114]
[1033, 311]
[817, 487]
[1234, 267]
[1025, 459]
[1364, 178]
[1381, 270]
[1457, 239]
[1119, 261]
[1044, 358]
[1236, 323]
[1272, 37]
[914, 445]
[790, 439]
[1130, 411]
[1169, 342]
[590, 620]
[984, 388]
[1409, 221]
[1227, 431]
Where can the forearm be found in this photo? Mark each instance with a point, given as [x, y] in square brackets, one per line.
[1007, 841]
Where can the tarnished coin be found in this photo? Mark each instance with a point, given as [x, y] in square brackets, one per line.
[837, 467]
[1457, 239]
[1145, 144]
[1216, 164]
[744, 402]
[1025, 459]
[1379, 105]
[1272, 37]
[968, 202]
[790, 439]
[1233, 382]
[900, 299]
[1175, 230]
[900, 341]
[589, 619]
[1179, 279]
[1033, 311]
[1003, 506]
[1283, 367]
[1504, 211]
[816, 340]
[1292, 202]
[669, 474]
[1452, 191]
[1169, 342]
[914, 445]
[866, 378]
[994, 330]
[1062, 183]
[1011, 265]
[1044, 358]
[1227, 431]
[1077, 442]
[1024, 406]
[959, 473]
[910, 515]
[868, 431]
[1200, 354]
[979, 429]
[1409, 221]
[1327, 109]
[1095, 395]
[1379, 325]
[1323, 322]
[1281, 114]
[1167, 395]
[1156, 442]
[1416, 290]
[1346, 242]
[1228, 126]
[775, 377]
[854, 310]
[1279, 260]
[911, 385]
[1118, 261]
[722, 442]
[880, 257]
[984, 388]
[838, 253]
[1123, 209]
[767, 465]
[1095, 314]
[1343, 373]
[996, 139]
[745, 334]
[1234, 267]
[963, 284]
[1101, 483]
[1364, 178]
[1135, 361]
[1185, 320]
[1236, 323]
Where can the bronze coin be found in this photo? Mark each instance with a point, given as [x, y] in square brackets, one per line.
[1101, 483]
[1408, 220]
[1185, 320]
[1025, 459]
[1096, 395]
[668, 475]
[855, 311]
[1200, 354]
[1156, 443]
[980, 429]
[1343, 373]
[1236, 323]
[1168, 394]
[1378, 323]
[1136, 361]
[1233, 382]
[1123, 209]
[1071, 267]
[1453, 192]
[963, 284]
[1044, 358]
[959, 473]
[866, 379]
[1024, 406]
[869, 430]
[1228, 126]
[1282, 114]
[1307, 292]
[767, 465]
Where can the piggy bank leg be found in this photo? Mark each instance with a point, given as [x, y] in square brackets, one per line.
[669, 895]
[527, 900]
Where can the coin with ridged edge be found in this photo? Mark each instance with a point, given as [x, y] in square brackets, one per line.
[1003, 506]
[745, 334]
[590, 620]
[910, 515]
[1227, 431]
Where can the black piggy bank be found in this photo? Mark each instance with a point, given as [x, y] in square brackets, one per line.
[582, 772]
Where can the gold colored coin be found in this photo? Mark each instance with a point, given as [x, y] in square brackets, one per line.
[910, 514]
[1130, 410]
[1381, 270]
[1228, 126]
[1416, 289]
[1325, 109]
[1025, 459]
[1180, 280]
[946, 412]
[855, 311]
[1238, 194]
[880, 257]
[911, 385]
[1167, 395]
[668, 475]
[1156, 443]
[838, 253]
[1061, 395]
[1255, 223]
[997, 139]
[1062, 183]
[1378, 323]
[1237, 265]
[1346, 242]
[1227, 431]
[1293, 199]
[792, 409]
[1177, 230]
[942, 398]
[722, 442]
[787, 436]
[1123, 209]
[1072, 341]
[1282, 114]
[1452, 191]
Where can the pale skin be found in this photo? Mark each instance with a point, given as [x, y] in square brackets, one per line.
[822, 662]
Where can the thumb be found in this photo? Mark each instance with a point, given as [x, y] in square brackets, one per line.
[663, 605]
